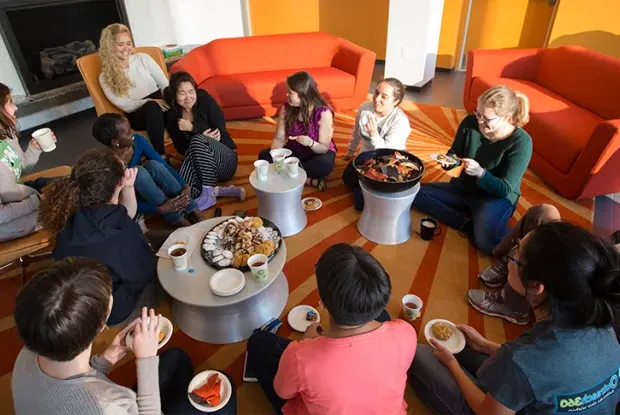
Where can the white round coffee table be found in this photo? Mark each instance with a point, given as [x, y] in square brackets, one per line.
[279, 199]
[386, 219]
[207, 317]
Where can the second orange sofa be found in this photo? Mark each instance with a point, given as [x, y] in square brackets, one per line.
[246, 75]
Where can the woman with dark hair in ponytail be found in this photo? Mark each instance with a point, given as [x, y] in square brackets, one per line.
[568, 362]
[91, 213]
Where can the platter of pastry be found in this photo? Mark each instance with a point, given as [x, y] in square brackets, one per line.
[231, 243]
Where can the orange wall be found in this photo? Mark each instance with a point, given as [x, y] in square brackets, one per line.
[450, 37]
[593, 24]
[269, 17]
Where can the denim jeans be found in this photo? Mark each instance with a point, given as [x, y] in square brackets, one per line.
[458, 209]
[265, 350]
[434, 384]
[155, 184]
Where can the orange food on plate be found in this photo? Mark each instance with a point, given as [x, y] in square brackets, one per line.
[210, 391]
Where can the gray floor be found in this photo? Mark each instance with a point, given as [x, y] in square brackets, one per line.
[74, 132]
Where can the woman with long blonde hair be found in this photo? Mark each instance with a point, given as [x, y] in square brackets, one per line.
[495, 152]
[133, 82]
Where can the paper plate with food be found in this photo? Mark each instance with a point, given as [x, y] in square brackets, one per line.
[231, 243]
[445, 333]
[164, 335]
[445, 160]
[311, 204]
[209, 391]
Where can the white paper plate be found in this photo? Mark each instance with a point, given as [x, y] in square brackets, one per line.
[437, 159]
[297, 317]
[166, 327]
[227, 282]
[455, 344]
[199, 380]
[314, 207]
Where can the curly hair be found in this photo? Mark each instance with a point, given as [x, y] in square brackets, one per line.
[93, 181]
[113, 73]
[305, 86]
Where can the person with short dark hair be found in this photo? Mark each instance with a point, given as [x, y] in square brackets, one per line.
[197, 127]
[159, 186]
[568, 362]
[358, 364]
[58, 315]
[379, 123]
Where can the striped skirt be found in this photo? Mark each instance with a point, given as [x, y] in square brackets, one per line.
[207, 162]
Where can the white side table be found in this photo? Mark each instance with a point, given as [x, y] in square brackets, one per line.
[386, 219]
[279, 199]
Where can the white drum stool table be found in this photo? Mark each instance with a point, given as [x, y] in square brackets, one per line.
[386, 218]
[279, 199]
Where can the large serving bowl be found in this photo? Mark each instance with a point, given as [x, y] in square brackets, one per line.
[385, 186]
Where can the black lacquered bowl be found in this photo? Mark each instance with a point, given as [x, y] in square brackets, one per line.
[387, 186]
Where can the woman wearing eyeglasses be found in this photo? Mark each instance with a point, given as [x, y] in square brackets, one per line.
[495, 152]
[567, 362]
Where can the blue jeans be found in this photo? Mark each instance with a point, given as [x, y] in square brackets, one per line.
[488, 216]
[155, 184]
[434, 384]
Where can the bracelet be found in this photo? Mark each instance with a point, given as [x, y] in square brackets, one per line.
[312, 145]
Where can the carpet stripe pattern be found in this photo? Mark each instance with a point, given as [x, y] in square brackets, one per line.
[439, 271]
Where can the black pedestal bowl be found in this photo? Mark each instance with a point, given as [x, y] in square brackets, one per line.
[387, 186]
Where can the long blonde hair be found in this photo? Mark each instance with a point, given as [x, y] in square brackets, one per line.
[114, 74]
[504, 100]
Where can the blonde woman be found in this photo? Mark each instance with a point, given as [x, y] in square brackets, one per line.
[133, 82]
[495, 152]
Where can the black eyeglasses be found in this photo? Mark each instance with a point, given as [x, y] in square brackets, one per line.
[483, 119]
[511, 255]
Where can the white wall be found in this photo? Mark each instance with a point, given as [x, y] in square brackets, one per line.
[413, 40]
[184, 22]
[8, 72]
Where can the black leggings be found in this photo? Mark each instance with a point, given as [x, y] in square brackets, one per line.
[316, 166]
[150, 117]
[265, 350]
[175, 373]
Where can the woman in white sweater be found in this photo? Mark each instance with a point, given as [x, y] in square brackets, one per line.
[133, 82]
[19, 202]
[379, 124]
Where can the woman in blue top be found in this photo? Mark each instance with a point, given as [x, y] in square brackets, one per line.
[160, 187]
[568, 362]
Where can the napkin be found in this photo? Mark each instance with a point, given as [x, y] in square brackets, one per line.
[190, 235]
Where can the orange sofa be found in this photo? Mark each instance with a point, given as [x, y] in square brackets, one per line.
[246, 75]
[575, 112]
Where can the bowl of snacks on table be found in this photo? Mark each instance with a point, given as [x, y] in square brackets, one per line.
[231, 243]
[388, 171]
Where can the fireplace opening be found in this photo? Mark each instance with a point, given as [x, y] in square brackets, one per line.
[46, 37]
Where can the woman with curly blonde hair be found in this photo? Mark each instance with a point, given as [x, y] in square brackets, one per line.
[133, 82]
[91, 214]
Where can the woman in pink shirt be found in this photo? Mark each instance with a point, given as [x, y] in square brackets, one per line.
[357, 365]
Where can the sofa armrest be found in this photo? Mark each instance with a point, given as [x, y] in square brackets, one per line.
[196, 63]
[60, 171]
[357, 61]
[602, 145]
[513, 63]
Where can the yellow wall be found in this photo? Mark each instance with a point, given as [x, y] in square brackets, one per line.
[593, 24]
[270, 17]
[450, 37]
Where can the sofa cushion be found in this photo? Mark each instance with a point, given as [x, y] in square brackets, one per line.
[584, 76]
[559, 128]
[270, 87]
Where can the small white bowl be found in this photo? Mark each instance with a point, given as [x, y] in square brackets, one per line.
[297, 317]
[199, 380]
[227, 282]
[285, 152]
[166, 327]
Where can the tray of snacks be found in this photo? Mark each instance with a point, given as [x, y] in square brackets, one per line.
[231, 243]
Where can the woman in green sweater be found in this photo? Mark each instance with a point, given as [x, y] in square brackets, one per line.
[495, 152]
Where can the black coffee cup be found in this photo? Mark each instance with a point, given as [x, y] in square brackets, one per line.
[429, 228]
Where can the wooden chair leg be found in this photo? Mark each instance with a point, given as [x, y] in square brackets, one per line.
[30, 259]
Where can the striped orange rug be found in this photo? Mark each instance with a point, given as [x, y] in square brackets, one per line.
[439, 272]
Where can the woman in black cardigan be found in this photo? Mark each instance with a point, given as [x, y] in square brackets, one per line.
[198, 130]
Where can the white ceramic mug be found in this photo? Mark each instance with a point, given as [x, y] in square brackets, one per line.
[259, 272]
[262, 169]
[45, 139]
[412, 313]
[179, 262]
[292, 166]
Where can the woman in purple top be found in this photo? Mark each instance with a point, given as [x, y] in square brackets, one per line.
[306, 127]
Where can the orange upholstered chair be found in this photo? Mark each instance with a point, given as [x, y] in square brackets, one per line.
[575, 112]
[246, 75]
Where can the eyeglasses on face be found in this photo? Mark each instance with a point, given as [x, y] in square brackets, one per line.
[511, 255]
[483, 119]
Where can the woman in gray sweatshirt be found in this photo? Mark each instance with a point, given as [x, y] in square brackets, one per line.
[19, 202]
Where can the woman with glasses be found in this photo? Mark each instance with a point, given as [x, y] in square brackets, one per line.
[495, 152]
[568, 362]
